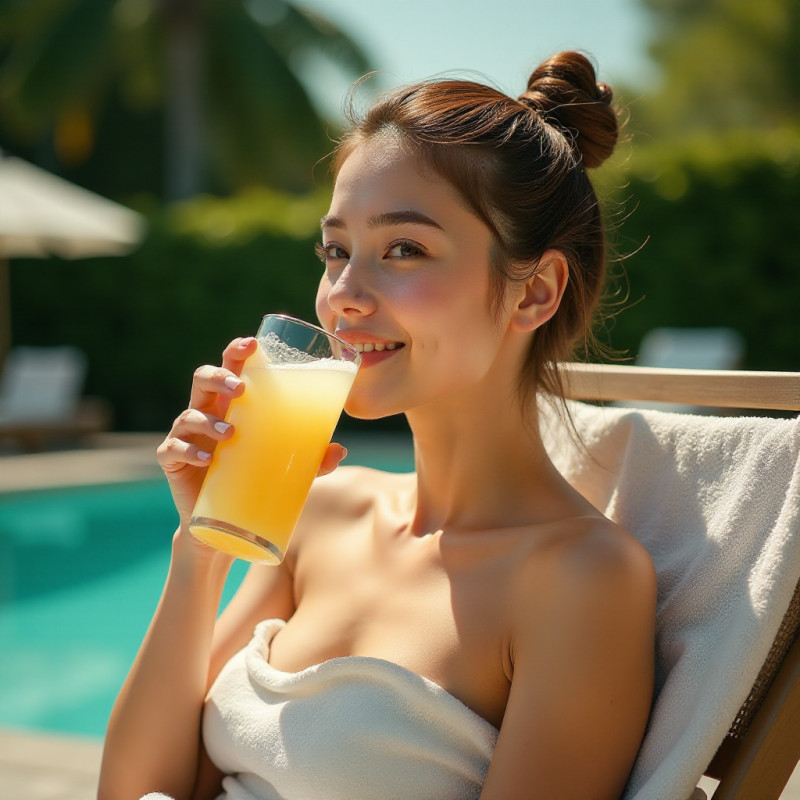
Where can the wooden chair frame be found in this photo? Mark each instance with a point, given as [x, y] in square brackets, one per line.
[757, 758]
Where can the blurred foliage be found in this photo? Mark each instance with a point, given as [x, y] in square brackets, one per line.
[703, 206]
[724, 64]
[208, 271]
[166, 96]
[710, 227]
[708, 187]
[706, 232]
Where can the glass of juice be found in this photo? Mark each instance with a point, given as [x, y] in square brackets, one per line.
[296, 384]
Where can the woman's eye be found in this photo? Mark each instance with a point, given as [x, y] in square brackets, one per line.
[404, 250]
[327, 252]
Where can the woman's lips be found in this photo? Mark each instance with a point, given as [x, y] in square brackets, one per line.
[372, 348]
[375, 352]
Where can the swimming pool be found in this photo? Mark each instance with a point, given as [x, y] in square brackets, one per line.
[80, 574]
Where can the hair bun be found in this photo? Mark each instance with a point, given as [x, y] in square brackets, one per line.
[565, 92]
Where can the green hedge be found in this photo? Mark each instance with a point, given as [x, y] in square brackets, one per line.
[715, 223]
[713, 226]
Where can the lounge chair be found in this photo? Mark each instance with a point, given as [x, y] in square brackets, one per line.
[41, 397]
[716, 500]
[689, 348]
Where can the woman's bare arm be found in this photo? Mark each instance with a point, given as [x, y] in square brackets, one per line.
[582, 680]
[153, 734]
[153, 737]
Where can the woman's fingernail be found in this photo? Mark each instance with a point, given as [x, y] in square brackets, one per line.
[232, 383]
[203, 455]
[246, 341]
[344, 454]
[222, 427]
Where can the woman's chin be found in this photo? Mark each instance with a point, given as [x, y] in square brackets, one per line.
[359, 408]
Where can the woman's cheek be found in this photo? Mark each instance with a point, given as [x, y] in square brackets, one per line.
[420, 294]
[325, 316]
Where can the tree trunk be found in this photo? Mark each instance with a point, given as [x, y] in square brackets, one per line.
[184, 115]
[5, 311]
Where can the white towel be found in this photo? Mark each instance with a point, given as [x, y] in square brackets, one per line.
[353, 728]
[716, 501]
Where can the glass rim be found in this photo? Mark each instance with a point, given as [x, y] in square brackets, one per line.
[312, 326]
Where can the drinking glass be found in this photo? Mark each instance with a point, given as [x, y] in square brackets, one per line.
[296, 384]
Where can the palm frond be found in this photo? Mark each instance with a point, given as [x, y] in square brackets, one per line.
[63, 63]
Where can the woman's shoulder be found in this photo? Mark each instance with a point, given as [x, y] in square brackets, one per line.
[597, 543]
[586, 558]
[352, 491]
[589, 597]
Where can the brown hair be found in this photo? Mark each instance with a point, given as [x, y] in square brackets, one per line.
[520, 165]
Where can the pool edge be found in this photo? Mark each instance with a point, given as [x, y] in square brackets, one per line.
[48, 766]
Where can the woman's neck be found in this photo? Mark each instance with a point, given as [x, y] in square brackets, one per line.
[481, 464]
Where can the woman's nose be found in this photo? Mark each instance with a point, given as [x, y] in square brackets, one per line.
[350, 292]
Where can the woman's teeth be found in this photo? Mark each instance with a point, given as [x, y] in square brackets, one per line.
[369, 347]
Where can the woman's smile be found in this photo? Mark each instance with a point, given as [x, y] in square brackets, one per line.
[373, 349]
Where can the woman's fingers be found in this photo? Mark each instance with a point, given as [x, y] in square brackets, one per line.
[188, 449]
[237, 352]
[214, 387]
[192, 439]
[175, 454]
[333, 455]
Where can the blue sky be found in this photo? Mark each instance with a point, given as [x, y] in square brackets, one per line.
[497, 40]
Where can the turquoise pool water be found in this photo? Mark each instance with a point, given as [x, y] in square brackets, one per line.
[80, 574]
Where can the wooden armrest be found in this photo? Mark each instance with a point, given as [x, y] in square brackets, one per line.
[716, 388]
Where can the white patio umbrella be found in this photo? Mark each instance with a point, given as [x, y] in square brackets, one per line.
[43, 215]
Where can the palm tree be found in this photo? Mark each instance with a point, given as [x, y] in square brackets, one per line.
[223, 73]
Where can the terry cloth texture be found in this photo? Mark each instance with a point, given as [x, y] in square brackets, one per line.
[352, 727]
[716, 501]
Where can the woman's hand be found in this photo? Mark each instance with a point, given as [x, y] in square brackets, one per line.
[188, 449]
[189, 446]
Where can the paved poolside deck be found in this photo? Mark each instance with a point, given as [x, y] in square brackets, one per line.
[37, 766]
[44, 766]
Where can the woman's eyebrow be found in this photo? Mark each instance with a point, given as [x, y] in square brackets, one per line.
[385, 219]
[329, 221]
[399, 217]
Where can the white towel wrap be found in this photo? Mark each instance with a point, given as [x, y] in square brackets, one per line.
[353, 728]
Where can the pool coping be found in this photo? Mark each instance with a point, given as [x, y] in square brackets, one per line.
[113, 458]
[48, 766]
[121, 457]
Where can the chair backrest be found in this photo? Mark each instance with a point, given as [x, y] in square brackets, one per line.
[41, 383]
[762, 746]
[689, 348]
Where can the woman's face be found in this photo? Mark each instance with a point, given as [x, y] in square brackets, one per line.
[407, 278]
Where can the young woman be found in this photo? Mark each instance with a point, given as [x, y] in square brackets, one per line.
[476, 628]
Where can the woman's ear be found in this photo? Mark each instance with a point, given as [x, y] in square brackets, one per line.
[540, 296]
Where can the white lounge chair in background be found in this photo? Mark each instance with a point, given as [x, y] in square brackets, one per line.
[41, 397]
[689, 348]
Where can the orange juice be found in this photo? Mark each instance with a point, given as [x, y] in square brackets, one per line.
[259, 479]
